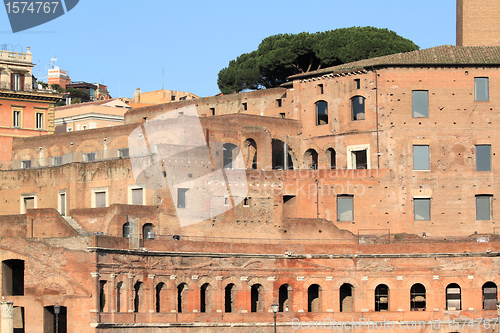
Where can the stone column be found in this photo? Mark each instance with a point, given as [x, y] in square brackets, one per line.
[130, 293]
[7, 310]
[112, 293]
[97, 292]
[152, 293]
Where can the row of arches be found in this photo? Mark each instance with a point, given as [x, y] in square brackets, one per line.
[357, 110]
[417, 297]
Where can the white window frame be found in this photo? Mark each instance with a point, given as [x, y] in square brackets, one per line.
[23, 205]
[93, 194]
[135, 187]
[351, 161]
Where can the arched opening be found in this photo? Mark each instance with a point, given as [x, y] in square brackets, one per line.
[127, 229]
[181, 297]
[285, 297]
[102, 295]
[382, 298]
[280, 155]
[13, 277]
[311, 159]
[205, 298]
[358, 108]
[119, 287]
[159, 296]
[138, 296]
[148, 231]
[229, 153]
[229, 298]
[321, 113]
[417, 297]
[489, 296]
[250, 147]
[453, 297]
[314, 298]
[50, 321]
[257, 303]
[346, 298]
[331, 157]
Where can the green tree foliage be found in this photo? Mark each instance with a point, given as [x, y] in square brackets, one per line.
[79, 93]
[280, 56]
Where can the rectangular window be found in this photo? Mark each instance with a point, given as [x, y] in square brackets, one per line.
[181, 197]
[278, 102]
[483, 207]
[212, 110]
[16, 82]
[357, 83]
[16, 118]
[422, 209]
[39, 120]
[137, 196]
[320, 89]
[123, 152]
[481, 89]
[100, 199]
[26, 164]
[483, 158]
[282, 115]
[245, 106]
[62, 203]
[172, 98]
[420, 103]
[57, 160]
[421, 159]
[345, 208]
[89, 157]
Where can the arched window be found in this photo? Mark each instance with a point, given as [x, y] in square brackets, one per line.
[417, 297]
[311, 159]
[331, 158]
[13, 277]
[280, 155]
[382, 298]
[346, 298]
[250, 147]
[285, 297]
[321, 113]
[119, 287]
[256, 298]
[358, 108]
[160, 295]
[453, 297]
[205, 298]
[181, 297]
[148, 231]
[314, 298]
[138, 296]
[229, 298]
[127, 229]
[489, 296]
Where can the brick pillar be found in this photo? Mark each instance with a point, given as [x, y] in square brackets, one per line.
[152, 293]
[112, 293]
[7, 311]
[173, 300]
[97, 292]
[130, 293]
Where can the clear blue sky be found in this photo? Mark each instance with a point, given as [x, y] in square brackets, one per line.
[126, 44]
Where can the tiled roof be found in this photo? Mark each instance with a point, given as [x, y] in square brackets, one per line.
[439, 55]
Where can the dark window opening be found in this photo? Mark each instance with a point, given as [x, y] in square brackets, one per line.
[148, 231]
[282, 115]
[358, 108]
[181, 197]
[245, 106]
[39, 121]
[382, 298]
[417, 297]
[138, 296]
[257, 303]
[246, 202]
[19, 319]
[102, 295]
[16, 121]
[181, 297]
[278, 102]
[26, 164]
[453, 297]
[357, 83]
[321, 89]
[230, 152]
[123, 152]
[321, 113]
[229, 298]
[212, 111]
[160, 290]
[285, 296]
[13, 277]
[314, 298]
[204, 298]
[490, 296]
[280, 155]
[311, 159]
[119, 287]
[127, 229]
[50, 320]
[360, 159]
[332, 158]
[346, 298]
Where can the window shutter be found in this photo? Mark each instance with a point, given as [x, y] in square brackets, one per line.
[11, 81]
[21, 82]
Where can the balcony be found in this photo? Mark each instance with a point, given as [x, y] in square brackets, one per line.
[16, 57]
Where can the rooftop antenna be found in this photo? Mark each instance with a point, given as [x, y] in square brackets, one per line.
[53, 62]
